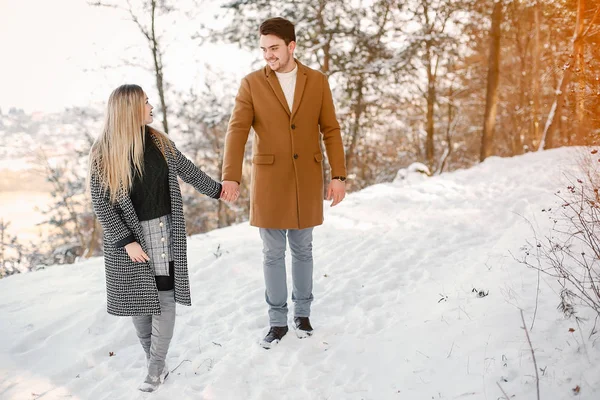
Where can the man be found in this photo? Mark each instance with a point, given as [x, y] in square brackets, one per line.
[289, 105]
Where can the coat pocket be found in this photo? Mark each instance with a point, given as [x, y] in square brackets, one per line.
[263, 159]
[318, 157]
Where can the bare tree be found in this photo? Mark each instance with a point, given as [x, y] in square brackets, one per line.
[579, 49]
[521, 41]
[145, 18]
[367, 49]
[535, 74]
[74, 227]
[434, 48]
[8, 244]
[570, 251]
[451, 120]
[491, 100]
[579, 36]
[203, 118]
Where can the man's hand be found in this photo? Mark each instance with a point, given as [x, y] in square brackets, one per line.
[136, 253]
[336, 191]
[230, 191]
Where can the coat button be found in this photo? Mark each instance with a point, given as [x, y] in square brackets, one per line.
[162, 239]
[163, 255]
[161, 224]
[293, 126]
[295, 156]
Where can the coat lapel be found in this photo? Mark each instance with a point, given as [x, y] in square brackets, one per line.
[274, 83]
[170, 164]
[299, 91]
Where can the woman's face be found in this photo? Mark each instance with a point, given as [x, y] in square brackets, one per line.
[148, 117]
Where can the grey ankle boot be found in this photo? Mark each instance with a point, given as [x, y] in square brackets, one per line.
[151, 383]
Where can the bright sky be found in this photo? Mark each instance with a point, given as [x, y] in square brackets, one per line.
[63, 53]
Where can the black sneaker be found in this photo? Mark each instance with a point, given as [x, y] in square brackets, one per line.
[274, 336]
[303, 327]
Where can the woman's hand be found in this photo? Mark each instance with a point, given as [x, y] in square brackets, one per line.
[230, 191]
[136, 253]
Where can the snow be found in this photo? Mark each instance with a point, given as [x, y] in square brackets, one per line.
[414, 172]
[395, 314]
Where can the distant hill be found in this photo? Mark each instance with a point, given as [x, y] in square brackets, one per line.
[22, 135]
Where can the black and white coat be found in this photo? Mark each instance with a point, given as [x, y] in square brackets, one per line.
[130, 286]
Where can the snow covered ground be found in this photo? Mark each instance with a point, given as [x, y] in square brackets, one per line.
[395, 313]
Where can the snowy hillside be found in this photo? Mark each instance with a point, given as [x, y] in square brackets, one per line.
[395, 314]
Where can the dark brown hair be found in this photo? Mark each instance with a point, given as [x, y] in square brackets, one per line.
[280, 27]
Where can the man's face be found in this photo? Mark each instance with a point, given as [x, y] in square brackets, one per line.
[278, 56]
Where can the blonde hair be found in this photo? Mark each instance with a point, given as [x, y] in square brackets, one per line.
[118, 152]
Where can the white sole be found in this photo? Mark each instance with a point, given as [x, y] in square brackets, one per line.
[267, 345]
[146, 388]
[302, 334]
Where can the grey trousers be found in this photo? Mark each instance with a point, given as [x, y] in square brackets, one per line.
[155, 332]
[274, 245]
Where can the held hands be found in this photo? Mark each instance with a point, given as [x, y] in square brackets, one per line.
[230, 191]
[136, 253]
[336, 191]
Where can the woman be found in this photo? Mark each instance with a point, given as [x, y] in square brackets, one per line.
[133, 171]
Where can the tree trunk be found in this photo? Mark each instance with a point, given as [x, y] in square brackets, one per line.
[358, 108]
[565, 79]
[158, 69]
[327, 45]
[555, 109]
[431, 88]
[449, 124]
[324, 69]
[535, 76]
[221, 215]
[520, 132]
[91, 247]
[491, 98]
[431, 99]
[580, 69]
[551, 136]
[153, 43]
[218, 147]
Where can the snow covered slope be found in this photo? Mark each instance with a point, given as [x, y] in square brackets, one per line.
[395, 314]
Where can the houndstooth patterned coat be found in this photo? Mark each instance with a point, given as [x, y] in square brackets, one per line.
[130, 286]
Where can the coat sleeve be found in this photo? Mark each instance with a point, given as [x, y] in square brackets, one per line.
[115, 230]
[330, 128]
[195, 176]
[238, 129]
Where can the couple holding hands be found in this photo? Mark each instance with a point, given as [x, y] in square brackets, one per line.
[133, 175]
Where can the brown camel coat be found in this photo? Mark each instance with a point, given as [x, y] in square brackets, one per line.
[287, 174]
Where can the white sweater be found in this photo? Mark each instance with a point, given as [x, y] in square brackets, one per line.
[287, 80]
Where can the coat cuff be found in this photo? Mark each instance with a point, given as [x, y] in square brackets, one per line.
[217, 195]
[232, 178]
[125, 241]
